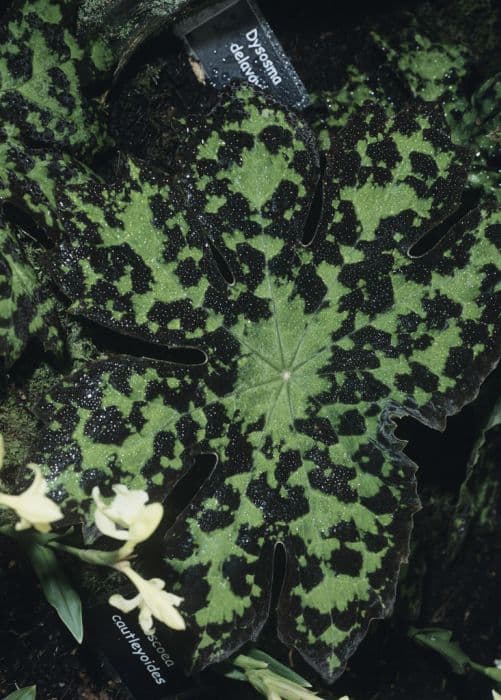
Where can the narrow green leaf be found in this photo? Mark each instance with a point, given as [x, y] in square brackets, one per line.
[57, 589]
[440, 640]
[28, 693]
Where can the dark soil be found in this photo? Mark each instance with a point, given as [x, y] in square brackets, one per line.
[463, 596]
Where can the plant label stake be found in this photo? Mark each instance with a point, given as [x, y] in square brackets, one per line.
[232, 40]
[148, 665]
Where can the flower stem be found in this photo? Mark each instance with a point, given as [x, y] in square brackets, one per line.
[90, 556]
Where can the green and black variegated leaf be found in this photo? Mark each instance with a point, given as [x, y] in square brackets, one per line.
[409, 60]
[438, 71]
[42, 68]
[27, 303]
[371, 79]
[311, 353]
[339, 105]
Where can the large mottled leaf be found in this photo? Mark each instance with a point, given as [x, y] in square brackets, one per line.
[433, 70]
[408, 58]
[27, 304]
[41, 67]
[440, 71]
[311, 352]
[41, 105]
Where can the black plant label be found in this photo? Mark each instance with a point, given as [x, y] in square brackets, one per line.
[233, 41]
[149, 665]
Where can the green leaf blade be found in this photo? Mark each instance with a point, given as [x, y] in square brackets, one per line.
[40, 82]
[27, 305]
[57, 588]
[311, 354]
[114, 422]
[28, 693]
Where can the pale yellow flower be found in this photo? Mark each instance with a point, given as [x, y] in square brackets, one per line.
[127, 517]
[152, 601]
[32, 506]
